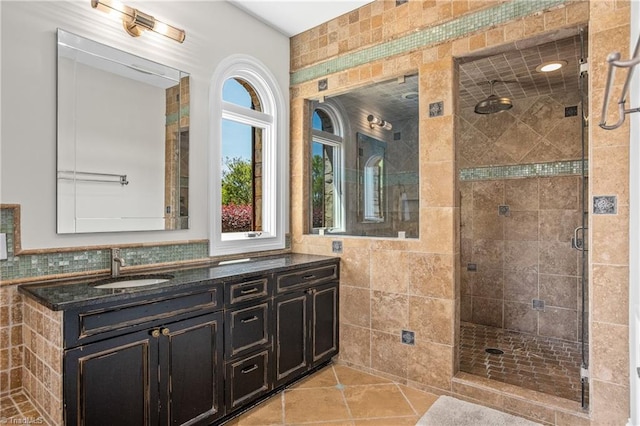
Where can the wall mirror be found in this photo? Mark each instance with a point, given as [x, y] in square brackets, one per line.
[363, 147]
[123, 141]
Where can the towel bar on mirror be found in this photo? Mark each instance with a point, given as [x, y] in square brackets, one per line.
[93, 177]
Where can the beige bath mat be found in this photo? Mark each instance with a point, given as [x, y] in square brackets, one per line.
[447, 411]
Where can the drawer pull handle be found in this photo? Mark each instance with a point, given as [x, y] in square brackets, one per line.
[308, 277]
[165, 332]
[248, 370]
[249, 319]
[155, 333]
[249, 291]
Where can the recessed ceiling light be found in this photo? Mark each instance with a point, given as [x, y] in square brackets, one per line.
[550, 66]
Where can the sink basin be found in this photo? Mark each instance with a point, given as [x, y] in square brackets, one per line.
[133, 281]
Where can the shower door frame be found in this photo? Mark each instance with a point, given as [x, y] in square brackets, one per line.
[584, 247]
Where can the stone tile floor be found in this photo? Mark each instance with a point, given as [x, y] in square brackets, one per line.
[538, 363]
[341, 396]
[334, 396]
[16, 408]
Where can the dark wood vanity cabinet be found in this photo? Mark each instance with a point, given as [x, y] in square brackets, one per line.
[165, 371]
[248, 340]
[306, 321]
[198, 356]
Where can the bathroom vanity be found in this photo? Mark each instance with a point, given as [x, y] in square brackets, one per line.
[198, 348]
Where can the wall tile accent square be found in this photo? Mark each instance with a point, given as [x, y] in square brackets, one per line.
[605, 204]
[408, 337]
[537, 304]
[436, 109]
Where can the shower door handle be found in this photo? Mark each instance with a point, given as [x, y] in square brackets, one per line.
[576, 242]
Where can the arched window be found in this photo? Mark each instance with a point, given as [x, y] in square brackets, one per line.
[249, 159]
[327, 189]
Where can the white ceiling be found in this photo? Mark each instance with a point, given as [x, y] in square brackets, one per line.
[292, 17]
[513, 63]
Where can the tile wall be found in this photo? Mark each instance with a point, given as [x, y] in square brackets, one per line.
[511, 260]
[42, 373]
[522, 253]
[609, 254]
[11, 347]
[535, 130]
[390, 285]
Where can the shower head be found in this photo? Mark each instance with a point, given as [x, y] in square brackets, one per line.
[493, 103]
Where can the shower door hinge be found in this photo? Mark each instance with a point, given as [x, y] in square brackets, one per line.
[584, 374]
[584, 67]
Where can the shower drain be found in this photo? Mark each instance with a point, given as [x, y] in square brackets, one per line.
[494, 351]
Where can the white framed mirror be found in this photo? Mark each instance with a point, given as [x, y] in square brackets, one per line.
[123, 140]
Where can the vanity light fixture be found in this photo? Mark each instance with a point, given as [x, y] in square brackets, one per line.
[377, 121]
[550, 66]
[136, 22]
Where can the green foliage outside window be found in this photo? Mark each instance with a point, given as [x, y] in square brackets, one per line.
[237, 182]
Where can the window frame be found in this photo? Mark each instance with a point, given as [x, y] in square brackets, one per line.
[275, 151]
[336, 143]
[335, 140]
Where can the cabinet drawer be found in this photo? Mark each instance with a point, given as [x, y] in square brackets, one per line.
[246, 329]
[86, 325]
[247, 378]
[251, 289]
[306, 277]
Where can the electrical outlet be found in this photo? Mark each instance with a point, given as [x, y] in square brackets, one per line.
[336, 246]
[3, 246]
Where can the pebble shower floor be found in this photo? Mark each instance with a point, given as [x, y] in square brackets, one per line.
[533, 362]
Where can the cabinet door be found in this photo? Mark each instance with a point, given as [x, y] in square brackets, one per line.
[324, 323]
[291, 336]
[191, 370]
[112, 382]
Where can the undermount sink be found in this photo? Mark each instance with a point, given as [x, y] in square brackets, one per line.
[133, 281]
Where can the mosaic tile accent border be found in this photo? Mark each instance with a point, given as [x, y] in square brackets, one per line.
[46, 264]
[174, 118]
[432, 35]
[557, 168]
[41, 265]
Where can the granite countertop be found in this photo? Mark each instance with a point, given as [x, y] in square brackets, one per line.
[68, 294]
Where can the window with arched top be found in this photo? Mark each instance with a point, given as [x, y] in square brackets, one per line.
[327, 189]
[249, 159]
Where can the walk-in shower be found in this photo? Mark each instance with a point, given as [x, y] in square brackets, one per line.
[523, 221]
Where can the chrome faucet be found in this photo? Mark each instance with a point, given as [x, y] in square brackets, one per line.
[116, 262]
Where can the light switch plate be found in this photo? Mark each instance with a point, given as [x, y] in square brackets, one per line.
[3, 246]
